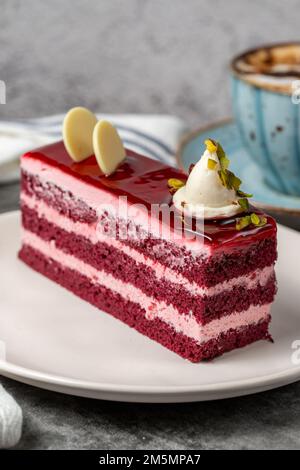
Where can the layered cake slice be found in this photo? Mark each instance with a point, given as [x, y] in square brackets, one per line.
[182, 259]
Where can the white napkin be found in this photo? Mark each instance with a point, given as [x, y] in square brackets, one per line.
[152, 135]
[155, 136]
[10, 420]
[11, 417]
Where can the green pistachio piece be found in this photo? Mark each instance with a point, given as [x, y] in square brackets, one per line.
[211, 145]
[242, 194]
[234, 181]
[224, 161]
[255, 219]
[211, 164]
[175, 183]
[258, 221]
[244, 203]
[223, 177]
[243, 222]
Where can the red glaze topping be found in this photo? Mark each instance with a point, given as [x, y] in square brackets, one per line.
[144, 181]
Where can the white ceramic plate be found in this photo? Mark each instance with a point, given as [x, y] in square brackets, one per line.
[54, 340]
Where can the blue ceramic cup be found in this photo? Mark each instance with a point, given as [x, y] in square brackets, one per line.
[266, 105]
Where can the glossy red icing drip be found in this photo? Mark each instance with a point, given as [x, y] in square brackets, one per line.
[144, 181]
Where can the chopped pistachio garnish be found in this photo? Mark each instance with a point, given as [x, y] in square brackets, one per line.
[244, 203]
[174, 184]
[263, 221]
[258, 220]
[227, 177]
[224, 161]
[232, 182]
[211, 164]
[243, 222]
[255, 219]
[242, 194]
[211, 145]
[223, 177]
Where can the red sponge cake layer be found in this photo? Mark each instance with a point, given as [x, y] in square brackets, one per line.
[134, 316]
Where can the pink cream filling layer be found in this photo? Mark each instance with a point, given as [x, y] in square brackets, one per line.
[250, 281]
[182, 323]
[97, 198]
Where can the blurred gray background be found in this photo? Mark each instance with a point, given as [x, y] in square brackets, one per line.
[168, 56]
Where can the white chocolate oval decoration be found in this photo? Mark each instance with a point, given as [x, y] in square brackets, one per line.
[108, 147]
[78, 129]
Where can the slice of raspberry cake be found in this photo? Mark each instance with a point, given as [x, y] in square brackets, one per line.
[197, 276]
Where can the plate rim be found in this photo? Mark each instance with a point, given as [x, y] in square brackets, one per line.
[147, 393]
[263, 381]
[191, 135]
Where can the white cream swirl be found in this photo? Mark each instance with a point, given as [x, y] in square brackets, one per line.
[204, 195]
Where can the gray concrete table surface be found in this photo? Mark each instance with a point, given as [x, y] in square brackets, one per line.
[53, 421]
[158, 56]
